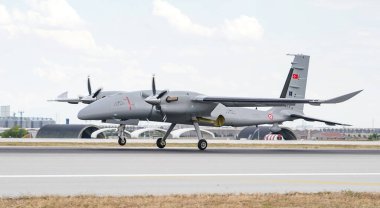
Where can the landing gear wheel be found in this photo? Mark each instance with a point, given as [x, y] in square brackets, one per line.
[122, 141]
[161, 143]
[202, 144]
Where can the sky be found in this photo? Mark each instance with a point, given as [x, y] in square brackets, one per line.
[215, 47]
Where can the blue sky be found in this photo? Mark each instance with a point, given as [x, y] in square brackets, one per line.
[230, 48]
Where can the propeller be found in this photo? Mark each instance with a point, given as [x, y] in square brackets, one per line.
[155, 100]
[89, 85]
[90, 91]
[97, 93]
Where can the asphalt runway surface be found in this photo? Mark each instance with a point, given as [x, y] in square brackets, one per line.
[135, 171]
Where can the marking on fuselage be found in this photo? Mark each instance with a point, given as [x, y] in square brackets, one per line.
[270, 116]
[129, 102]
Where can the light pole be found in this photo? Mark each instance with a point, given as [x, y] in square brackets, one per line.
[21, 113]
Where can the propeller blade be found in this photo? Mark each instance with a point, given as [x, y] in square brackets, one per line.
[153, 86]
[163, 115]
[97, 93]
[150, 113]
[162, 94]
[89, 86]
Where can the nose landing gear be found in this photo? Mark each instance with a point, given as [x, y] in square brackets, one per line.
[122, 138]
[122, 141]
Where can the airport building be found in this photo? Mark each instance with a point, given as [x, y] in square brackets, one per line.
[8, 121]
[5, 111]
[25, 122]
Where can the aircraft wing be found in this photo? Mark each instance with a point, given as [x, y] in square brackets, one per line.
[64, 98]
[308, 118]
[270, 102]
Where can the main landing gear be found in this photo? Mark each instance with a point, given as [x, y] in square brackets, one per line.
[161, 142]
[202, 143]
[121, 133]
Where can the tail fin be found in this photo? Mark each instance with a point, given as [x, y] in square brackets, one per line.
[295, 84]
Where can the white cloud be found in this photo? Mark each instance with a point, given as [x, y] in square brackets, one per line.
[4, 15]
[242, 28]
[179, 20]
[53, 13]
[55, 20]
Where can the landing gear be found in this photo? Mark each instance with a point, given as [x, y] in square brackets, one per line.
[122, 138]
[122, 141]
[161, 142]
[202, 143]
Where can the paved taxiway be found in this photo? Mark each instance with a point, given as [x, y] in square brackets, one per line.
[117, 171]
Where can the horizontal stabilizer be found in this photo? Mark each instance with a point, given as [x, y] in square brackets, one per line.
[343, 97]
[63, 95]
[307, 118]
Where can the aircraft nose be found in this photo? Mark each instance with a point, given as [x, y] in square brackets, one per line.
[84, 114]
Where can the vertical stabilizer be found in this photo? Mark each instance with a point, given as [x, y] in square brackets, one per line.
[295, 84]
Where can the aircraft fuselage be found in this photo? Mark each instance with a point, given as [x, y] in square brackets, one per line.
[132, 105]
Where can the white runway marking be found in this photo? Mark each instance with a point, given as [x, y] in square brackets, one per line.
[184, 175]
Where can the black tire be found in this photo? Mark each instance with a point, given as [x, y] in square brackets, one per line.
[202, 144]
[121, 141]
[161, 143]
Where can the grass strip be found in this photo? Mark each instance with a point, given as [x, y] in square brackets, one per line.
[345, 199]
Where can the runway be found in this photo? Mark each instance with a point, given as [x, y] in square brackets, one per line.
[132, 171]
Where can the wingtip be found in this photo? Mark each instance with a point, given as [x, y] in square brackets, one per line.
[357, 92]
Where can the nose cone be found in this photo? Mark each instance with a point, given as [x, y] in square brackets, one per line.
[99, 110]
[85, 113]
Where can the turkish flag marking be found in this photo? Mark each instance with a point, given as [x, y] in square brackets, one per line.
[295, 76]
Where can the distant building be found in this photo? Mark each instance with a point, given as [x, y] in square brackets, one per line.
[5, 111]
[25, 122]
